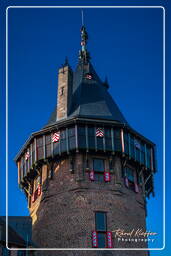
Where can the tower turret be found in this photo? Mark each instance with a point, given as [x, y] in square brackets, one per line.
[65, 76]
[87, 173]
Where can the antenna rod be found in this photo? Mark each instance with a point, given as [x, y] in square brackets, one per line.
[82, 17]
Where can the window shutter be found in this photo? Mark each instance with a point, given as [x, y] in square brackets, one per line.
[36, 152]
[94, 239]
[39, 190]
[109, 239]
[91, 175]
[106, 176]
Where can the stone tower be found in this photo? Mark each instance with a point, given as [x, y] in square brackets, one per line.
[87, 173]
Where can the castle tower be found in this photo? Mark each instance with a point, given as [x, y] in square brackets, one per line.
[87, 173]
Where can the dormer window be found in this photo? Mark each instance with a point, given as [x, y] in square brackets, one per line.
[88, 76]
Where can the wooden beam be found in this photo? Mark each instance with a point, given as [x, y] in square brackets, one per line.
[151, 158]
[67, 142]
[35, 148]
[27, 191]
[19, 172]
[76, 138]
[145, 151]
[129, 145]
[31, 157]
[122, 141]
[59, 144]
[104, 140]
[112, 136]
[86, 132]
[51, 144]
[44, 148]
[147, 179]
[95, 137]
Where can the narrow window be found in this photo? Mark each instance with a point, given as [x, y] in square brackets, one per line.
[101, 224]
[40, 148]
[131, 179]
[98, 167]
[62, 91]
[101, 237]
[101, 228]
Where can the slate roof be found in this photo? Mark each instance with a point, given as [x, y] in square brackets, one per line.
[90, 98]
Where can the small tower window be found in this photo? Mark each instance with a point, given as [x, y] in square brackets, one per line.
[88, 76]
[62, 91]
[101, 238]
[101, 224]
[101, 228]
[98, 167]
[99, 173]
[130, 177]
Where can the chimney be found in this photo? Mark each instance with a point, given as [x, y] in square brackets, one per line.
[65, 79]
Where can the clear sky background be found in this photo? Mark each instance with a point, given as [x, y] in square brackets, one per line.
[125, 45]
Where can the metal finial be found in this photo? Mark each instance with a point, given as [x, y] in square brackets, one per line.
[83, 54]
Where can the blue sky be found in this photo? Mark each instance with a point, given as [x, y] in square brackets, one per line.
[125, 45]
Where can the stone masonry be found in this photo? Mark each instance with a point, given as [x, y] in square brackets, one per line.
[63, 217]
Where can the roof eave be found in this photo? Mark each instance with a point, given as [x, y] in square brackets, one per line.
[67, 121]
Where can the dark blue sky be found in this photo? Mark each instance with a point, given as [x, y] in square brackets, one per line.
[125, 44]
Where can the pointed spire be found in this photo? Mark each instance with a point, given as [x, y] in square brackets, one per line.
[83, 53]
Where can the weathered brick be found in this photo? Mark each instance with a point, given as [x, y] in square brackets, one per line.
[64, 215]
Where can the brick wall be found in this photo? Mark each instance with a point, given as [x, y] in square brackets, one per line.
[64, 215]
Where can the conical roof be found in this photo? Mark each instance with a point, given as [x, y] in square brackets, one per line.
[89, 97]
